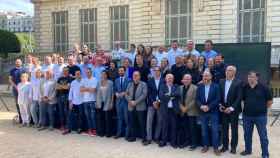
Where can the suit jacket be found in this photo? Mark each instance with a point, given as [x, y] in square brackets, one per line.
[213, 99]
[234, 95]
[51, 92]
[119, 89]
[108, 104]
[153, 92]
[140, 96]
[165, 98]
[190, 102]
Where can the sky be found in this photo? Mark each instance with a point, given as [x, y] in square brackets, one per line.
[17, 5]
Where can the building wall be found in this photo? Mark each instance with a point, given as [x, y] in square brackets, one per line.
[211, 19]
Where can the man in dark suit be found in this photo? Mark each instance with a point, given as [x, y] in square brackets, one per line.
[208, 98]
[120, 86]
[153, 105]
[169, 97]
[231, 94]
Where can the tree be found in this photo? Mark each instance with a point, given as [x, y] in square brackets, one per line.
[9, 43]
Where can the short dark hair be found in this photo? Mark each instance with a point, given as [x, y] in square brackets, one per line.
[133, 46]
[122, 67]
[174, 41]
[254, 72]
[209, 41]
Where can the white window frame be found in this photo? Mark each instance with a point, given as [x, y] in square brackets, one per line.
[123, 42]
[57, 47]
[90, 41]
[262, 23]
[169, 16]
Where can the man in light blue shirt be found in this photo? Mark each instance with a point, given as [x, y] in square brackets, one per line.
[191, 50]
[98, 68]
[174, 52]
[84, 66]
[160, 54]
[209, 52]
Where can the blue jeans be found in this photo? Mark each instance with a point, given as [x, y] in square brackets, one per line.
[34, 109]
[89, 109]
[248, 125]
[75, 117]
[213, 119]
[63, 109]
[122, 116]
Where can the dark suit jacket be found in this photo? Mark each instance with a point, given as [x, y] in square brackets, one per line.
[213, 99]
[234, 94]
[165, 98]
[153, 92]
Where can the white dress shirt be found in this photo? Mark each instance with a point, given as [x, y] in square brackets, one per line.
[170, 105]
[227, 86]
[157, 84]
[207, 89]
[89, 83]
[193, 52]
[75, 96]
[35, 89]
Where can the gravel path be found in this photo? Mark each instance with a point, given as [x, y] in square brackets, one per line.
[18, 142]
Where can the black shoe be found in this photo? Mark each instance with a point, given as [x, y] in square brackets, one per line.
[131, 139]
[245, 153]
[79, 131]
[67, 131]
[233, 151]
[223, 150]
[42, 128]
[174, 146]
[192, 148]
[147, 142]
[117, 137]
[162, 144]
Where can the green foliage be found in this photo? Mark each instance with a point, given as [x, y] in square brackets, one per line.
[9, 43]
[27, 42]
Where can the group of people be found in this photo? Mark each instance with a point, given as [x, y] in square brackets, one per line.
[181, 97]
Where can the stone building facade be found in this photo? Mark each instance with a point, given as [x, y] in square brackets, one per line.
[154, 22]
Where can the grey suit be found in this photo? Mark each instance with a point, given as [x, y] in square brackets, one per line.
[140, 96]
[108, 104]
[46, 108]
[137, 112]
[189, 101]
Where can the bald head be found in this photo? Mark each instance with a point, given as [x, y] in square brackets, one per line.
[230, 72]
[169, 79]
[187, 79]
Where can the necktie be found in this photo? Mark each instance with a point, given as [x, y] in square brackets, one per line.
[121, 83]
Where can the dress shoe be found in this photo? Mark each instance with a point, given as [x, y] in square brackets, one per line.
[223, 150]
[147, 142]
[131, 139]
[67, 131]
[217, 152]
[116, 137]
[245, 153]
[42, 128]
[162, 144]
[192, 148]
[204, 149]
[233, 151]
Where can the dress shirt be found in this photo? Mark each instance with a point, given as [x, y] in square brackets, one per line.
[193, 52]
[207, 89]
[75, 95]
[35, 88]
[159, 56]
[170, 105]
[172, 54]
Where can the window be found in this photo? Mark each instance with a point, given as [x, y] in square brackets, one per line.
[178, 20]
[60, 31]
[119, 26]
[251, 23]
[88, 19]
